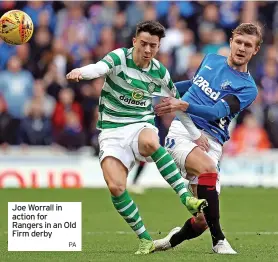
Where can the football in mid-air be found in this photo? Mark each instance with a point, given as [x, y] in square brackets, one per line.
[16, 27]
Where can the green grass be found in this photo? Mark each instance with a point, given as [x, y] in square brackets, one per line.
[243, 213]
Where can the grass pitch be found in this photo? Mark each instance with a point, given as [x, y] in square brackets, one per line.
[249, 218]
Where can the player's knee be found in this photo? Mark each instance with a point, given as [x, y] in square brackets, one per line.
[116, 189]
[148, 143]
[150, 147]
[208, 167]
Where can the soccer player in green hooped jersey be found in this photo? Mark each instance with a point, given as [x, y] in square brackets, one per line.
[126, 120]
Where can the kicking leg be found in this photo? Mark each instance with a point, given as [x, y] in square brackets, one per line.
[115, 175]
[148, 145]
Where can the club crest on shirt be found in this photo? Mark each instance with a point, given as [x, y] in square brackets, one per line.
[151, 87]
[226, 84]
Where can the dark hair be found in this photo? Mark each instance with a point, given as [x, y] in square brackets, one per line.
[151, 27]
[250, 29]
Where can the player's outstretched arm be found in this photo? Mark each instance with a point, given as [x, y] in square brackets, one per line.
[229, 104]
[88, 72]
[210, 113]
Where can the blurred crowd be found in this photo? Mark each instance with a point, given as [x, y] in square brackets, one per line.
[39, 107]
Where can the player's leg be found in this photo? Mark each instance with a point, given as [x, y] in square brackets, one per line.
[201, 165]
[148, 145]
[115, 175]
[192, 228]
[194, 161]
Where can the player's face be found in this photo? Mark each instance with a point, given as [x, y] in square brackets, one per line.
[243, 48]
[145, 47]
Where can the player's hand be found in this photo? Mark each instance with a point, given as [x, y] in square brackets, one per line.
[203, 143]
[74, 75]
[169, 105]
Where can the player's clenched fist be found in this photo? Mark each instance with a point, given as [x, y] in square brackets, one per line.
[74, 75]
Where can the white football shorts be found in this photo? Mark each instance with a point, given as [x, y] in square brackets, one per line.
[179, 144]
[122, 143]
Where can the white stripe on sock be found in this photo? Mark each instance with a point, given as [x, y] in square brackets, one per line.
[140, 230]
[182, 191]
[180, 181]
[166, 165]
[132, 214]
[161, 157]
[136, 222]
[171, 174]
[126, 207]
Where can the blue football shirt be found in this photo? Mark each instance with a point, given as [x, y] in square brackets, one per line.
[214, 80]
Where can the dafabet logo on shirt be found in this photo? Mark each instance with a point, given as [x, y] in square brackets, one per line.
[137, 96]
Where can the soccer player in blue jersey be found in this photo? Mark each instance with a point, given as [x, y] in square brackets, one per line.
[221, 88]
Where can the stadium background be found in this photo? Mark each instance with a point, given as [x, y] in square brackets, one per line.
[48, 136]
[42, 114]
